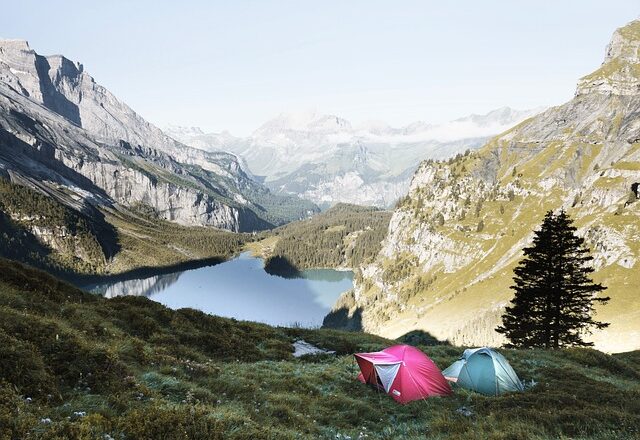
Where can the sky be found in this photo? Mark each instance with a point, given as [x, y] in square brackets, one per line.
[232, 65]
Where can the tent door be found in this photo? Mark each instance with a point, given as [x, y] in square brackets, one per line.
[387, 373]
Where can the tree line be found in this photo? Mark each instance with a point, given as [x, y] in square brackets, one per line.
[345, 235]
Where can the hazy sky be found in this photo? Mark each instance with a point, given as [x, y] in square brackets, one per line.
[234, 64]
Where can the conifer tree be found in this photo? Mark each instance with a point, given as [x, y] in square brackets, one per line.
[554, 295]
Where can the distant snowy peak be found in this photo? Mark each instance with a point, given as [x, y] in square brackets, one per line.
[288, 129]
[311, 122]
[374, 126]
[197, 138]
[311, 125]
[503, 116]
[468, 127]
[326, 159]
[500, 116]
[180, 130]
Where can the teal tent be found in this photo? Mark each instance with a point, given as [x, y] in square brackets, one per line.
[483, 370]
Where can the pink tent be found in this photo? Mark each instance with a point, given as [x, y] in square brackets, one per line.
[403, 372]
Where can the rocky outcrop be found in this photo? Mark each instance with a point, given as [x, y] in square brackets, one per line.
[620, 71]
[61, 128]
[453, 241]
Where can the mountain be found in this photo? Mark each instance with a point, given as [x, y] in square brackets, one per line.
[447, 262]
[213, 142]
[326, 159]
[64, 135]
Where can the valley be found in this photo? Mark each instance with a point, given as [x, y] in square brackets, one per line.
[89, 188]
[185, 284]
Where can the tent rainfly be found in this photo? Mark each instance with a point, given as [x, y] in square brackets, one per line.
[403, 372]
[483, 370]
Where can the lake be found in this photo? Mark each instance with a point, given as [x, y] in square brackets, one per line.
[241, 289]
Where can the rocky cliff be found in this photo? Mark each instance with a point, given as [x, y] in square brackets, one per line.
[69, 137]
[446, 264]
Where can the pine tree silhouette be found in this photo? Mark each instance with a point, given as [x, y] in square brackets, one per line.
[554, 295]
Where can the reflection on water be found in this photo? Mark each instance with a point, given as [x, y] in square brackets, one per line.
[241, 289]
[138, 287]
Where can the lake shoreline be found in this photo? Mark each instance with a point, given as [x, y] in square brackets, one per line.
[83, 281]
[237, 288]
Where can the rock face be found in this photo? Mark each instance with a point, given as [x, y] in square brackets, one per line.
[620, 71]
[326, 159]
[447, 262]
[60, 129]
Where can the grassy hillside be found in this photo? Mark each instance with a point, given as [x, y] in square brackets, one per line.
[66, 239]
[40, 231]
[147, 241]
[74, 365]
[344, 236]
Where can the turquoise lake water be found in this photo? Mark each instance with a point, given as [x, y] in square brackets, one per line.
[241, 289]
